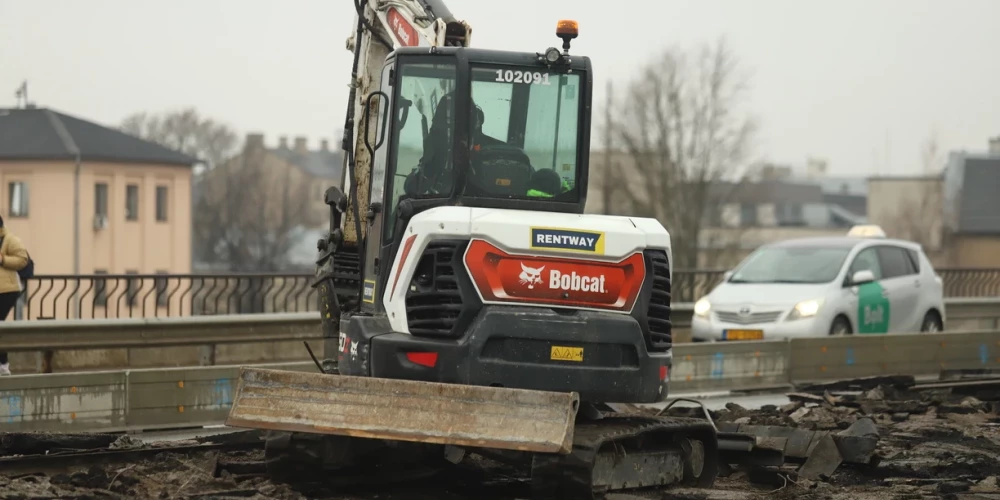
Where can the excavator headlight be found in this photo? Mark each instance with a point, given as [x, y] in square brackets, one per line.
[552, 55]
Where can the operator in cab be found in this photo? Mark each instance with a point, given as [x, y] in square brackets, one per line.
[433, 173]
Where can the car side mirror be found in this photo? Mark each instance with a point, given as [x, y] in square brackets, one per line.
[726, 275]
[861, 277]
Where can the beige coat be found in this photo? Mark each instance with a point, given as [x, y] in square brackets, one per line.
[15, 257]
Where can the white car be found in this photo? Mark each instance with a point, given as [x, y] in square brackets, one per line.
[813, 287]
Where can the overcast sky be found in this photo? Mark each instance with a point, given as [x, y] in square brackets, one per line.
[859, 83]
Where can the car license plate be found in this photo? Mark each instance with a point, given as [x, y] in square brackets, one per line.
[742, 335]
[560, 353]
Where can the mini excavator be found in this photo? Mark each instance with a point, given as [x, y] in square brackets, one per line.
[468, 304]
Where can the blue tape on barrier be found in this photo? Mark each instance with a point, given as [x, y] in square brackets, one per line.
[14, 410]
[984, 354]
[717, 362]
[222, 390]
[850, 356]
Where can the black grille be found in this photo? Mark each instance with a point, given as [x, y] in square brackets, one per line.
[658, 310]
[347, 275]
[434, 299]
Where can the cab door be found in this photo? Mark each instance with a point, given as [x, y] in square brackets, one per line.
[375, 217]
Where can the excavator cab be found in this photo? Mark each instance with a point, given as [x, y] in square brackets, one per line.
[473, 127]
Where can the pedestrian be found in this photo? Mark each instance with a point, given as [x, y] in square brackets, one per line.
[13, 258]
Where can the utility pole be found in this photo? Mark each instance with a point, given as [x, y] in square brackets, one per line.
[606, 184]
[22, 95]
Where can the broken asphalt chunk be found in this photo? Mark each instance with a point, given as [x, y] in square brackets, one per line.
[823, 460]
[858, 442]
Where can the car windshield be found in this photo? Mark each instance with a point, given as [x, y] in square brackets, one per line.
[798, 264]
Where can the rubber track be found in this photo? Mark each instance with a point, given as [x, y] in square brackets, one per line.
[570, 476]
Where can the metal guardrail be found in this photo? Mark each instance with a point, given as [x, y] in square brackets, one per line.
[268, 328]
[158, 332]
[177, 295]
[189, 397]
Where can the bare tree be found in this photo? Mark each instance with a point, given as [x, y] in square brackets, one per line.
[246, 213]
[249, 212]
[681, 130]
[185, 131]
[918, 212]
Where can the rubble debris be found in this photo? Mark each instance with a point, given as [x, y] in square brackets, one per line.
[823, 460]
[40, 443]
[125, 442]
[889, 442]
[859, 384]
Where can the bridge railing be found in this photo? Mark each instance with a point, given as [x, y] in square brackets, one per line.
[118, 296]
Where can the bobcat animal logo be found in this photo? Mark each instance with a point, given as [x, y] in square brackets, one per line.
[531, 276]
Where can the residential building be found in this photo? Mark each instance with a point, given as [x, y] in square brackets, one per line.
[971, 215]
[289, 182]
[954, 214]
[88, 199]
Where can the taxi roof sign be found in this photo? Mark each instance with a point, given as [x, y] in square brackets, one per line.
[867, 231]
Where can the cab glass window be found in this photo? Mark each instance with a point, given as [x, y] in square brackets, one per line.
[524, 133]
[422, 162]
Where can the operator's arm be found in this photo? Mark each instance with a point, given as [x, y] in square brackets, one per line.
[16, 256]
[546, 183]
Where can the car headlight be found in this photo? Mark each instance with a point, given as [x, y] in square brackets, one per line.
[805, 309]
[702, 307]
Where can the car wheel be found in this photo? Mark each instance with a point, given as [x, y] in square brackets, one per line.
[841, 326]
[932, 323]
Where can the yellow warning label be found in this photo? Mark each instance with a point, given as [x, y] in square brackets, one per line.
[560, 353]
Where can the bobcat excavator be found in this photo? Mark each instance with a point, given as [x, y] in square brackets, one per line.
[468, 304]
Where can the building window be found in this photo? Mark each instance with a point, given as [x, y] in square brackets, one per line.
[100, 289]
[748, 214]
[790, 214]
[161, 289]
[161, 203]
[17, 194]
[132, 202]
[132, 286]
[101, 199]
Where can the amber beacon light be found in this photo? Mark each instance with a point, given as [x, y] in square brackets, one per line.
[567, 29]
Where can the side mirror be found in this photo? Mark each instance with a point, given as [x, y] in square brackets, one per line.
[862, 277]
[726, 275]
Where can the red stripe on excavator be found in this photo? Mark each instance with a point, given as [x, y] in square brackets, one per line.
[557, 281]
[402, 260]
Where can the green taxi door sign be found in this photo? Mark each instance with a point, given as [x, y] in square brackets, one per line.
[873, 308]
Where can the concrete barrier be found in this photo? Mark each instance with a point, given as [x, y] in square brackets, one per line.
[188, 397]
[730, 366]
[95, 345]
[114, 401]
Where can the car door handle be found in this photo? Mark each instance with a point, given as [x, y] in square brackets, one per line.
[916, 283]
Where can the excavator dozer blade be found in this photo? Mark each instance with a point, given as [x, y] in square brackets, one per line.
[403, 410]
